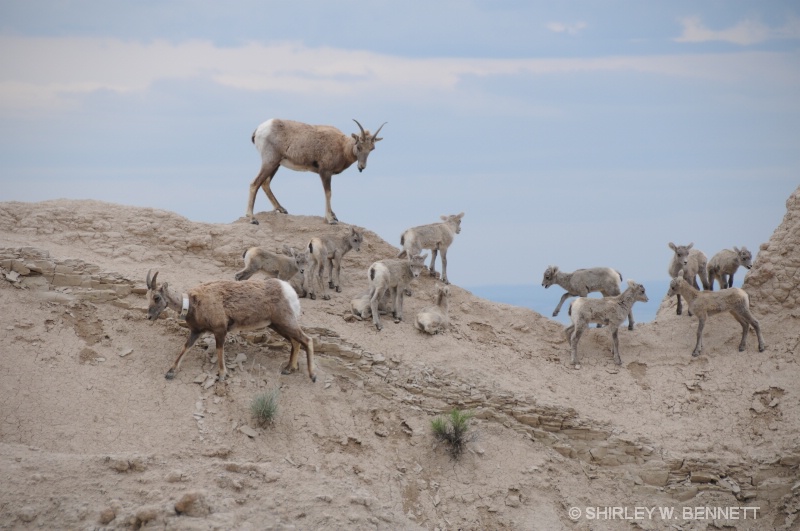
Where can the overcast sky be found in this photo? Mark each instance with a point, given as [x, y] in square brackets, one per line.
[579, 134]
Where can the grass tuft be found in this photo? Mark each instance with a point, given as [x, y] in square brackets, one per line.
[264, 406]
[452, 429]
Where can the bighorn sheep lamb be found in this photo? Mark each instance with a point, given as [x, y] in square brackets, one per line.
[435, 319]
[705, 303]
[327, 253]
[226, 306]
[609, 311]
[581, 282]
[436, 236]
[692, 262]
[321, 149]
[289, 266]
[360, 306]
[724, 265]
[393, 275]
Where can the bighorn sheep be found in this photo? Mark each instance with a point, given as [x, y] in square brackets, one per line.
[435, 319]
[609, 311]
[436, 236]
[581, 282]
[724, 265]
[393, 275]
[327, 253]
[321, 149]
[289, 266]
[360, 306]
[226, 306]
[692, 262]
[705, 303]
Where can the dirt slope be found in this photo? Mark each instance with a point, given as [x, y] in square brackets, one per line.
[93, 436]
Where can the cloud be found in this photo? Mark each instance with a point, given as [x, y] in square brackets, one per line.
[572, 29]
[746, 32]
[45, 73]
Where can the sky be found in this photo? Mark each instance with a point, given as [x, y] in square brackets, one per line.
[577, 134]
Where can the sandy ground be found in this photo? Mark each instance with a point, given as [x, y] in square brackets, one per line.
[94, 437]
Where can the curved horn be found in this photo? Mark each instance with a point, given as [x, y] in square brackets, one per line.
[363, 134]
[152, 281]
[379, 129]
[148, 278]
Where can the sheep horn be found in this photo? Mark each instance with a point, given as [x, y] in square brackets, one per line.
[148, 278]
[363, 134]
[379, 129]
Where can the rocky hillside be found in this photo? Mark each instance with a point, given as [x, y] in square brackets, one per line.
[93, 436]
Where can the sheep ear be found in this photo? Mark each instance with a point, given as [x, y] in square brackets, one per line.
[631, 283]
[672, 246]
[460, 215]
[354, 135]
[690, 245]
[736, 250]
[680, 274]
[164, 287]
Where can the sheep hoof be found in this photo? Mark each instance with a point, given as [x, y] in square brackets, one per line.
[221, 377]
[312, 296]
[555, 314]
[338, 289]
[679, 311]
[326, 297]
[695, 354]
[286, 369]
[170, 374]
[314, 378]
[330, 284]
[576, 366]
[630, 327]
[379, 327]
[761, 348]
[253, 221]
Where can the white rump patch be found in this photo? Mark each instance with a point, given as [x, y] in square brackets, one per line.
[291, 296]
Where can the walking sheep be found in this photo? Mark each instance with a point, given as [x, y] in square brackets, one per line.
[321, 149]
[327, 253]
[724, 265]
[227, 306]
[705, 303]
[288, 266]
[435, 319]
[393, 275]
[692, 262]
[581, 282]
[609, 311]
[436, 236]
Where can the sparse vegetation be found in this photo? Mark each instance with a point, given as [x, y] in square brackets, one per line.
[264, 406]
[452, 430]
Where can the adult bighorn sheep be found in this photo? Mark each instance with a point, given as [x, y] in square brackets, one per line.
[226, 306]
[321, 149]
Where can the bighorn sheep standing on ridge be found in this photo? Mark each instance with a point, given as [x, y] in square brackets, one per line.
[321, 149]
[327, 253]
[581, 282]
[394, 275]
[724, 264]
[435, 319]
[227, 306]
[610, 311]
[436, 237]
[692, 262]
[705, 303]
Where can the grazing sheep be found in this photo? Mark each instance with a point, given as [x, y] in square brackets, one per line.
[724, 265]
[393, 275]
[321, 149]
[228, 306]
[692, 262]
[582, 282]
[435, 319]
[705, 303]
[327, 253]
[436, 236]
[609, 311]
[360, 306]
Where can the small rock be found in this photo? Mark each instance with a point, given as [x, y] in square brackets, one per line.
[125, 352]
[200, 378]
[247, 430]
[193, 503]
[27, 514]
[174, 476]
[107, 515]
[12, 276]
[774, 402]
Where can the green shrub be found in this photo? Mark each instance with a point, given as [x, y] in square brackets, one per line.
[264, 406]
[452, 429]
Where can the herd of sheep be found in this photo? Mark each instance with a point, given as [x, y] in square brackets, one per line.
[225, 306]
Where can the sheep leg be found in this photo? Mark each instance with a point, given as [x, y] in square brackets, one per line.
[699, 346]
[434, 252]
[330, 217]
[568, 332]
[680, 306]
[745, 328]
[374, 297]
[296, 337]
[576, 337]
[615, 345]
[336, 270]
[219, 338]
[564, 297]
[444, 266]
[729, 283]
[244, 274]
[186, 346]
[630, 320]
[262, 180]
[398, 305]
[754, 323]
